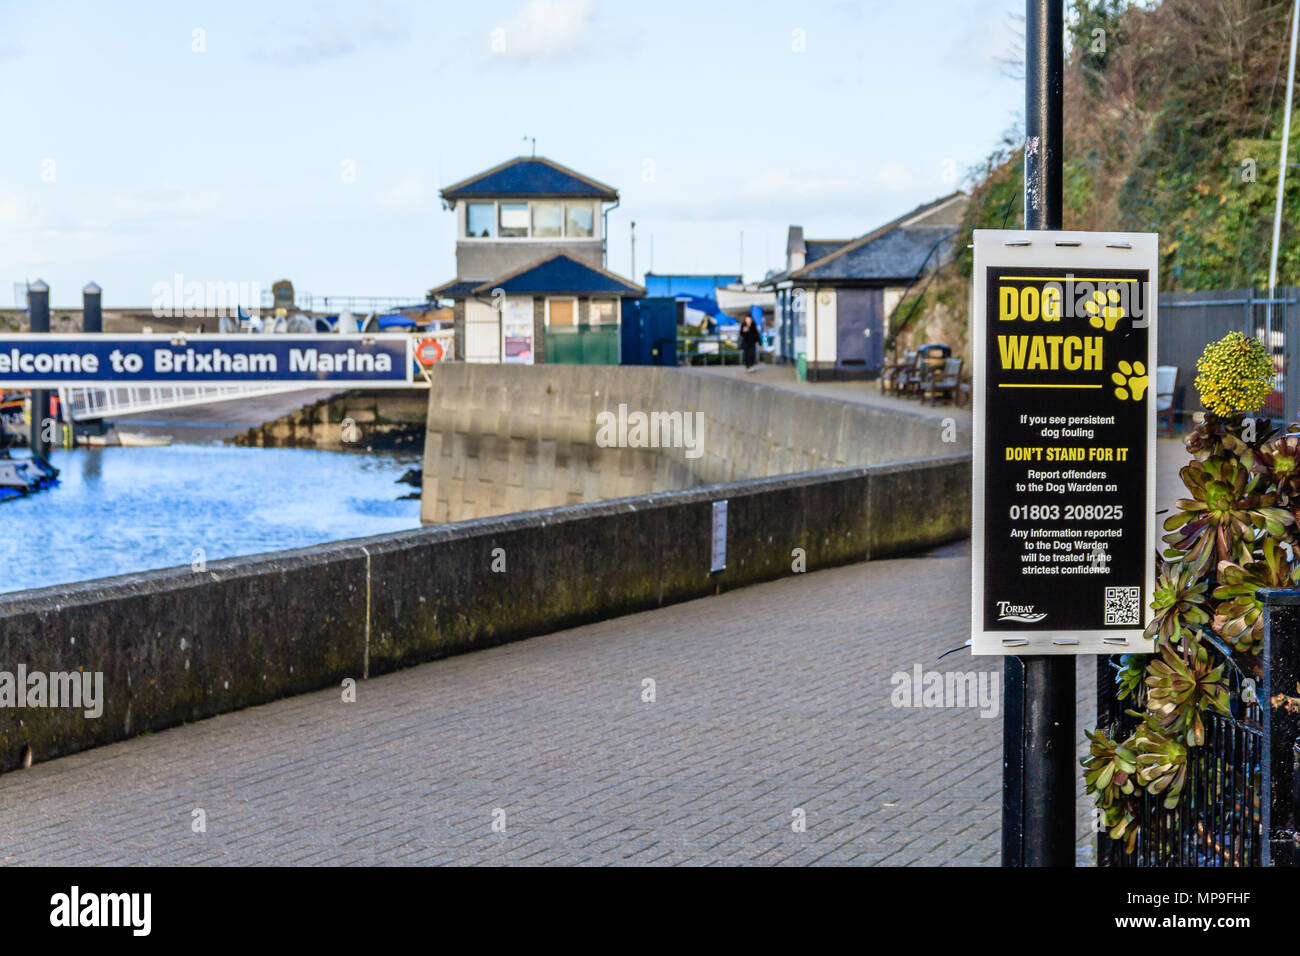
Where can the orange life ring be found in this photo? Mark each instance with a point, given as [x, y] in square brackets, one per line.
[429, 351]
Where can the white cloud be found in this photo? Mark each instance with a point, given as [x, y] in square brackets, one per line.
[39, 227]
[991, 39]
[328, 35]
[781, 183]
[777, 192]
[405, 194]
[545, 30]
[152, 204]
[894, 177]
[17, 212]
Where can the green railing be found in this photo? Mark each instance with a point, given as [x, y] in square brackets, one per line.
[583, 345]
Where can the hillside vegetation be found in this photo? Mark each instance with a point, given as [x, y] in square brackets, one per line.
[1173, 124]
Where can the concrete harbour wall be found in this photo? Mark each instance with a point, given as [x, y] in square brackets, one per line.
[180, 645]
[505, 438]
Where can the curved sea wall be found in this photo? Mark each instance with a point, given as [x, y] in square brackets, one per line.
[508, 438]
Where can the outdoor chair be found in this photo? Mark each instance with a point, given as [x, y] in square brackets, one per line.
[926, 366]
[909, 377]
[891, 377]
[1166, 394]
[944, 383]
[886, 373]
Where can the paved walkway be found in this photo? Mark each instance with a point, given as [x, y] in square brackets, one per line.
[770, 699]
[866, 393]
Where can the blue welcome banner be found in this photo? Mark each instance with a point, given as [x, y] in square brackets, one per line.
[59, 360]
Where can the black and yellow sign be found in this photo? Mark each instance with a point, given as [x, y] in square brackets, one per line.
[1063, 335]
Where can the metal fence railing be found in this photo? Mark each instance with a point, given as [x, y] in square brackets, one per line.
[357, 304]
[1189, 321]
[1217, 821]
[1240, 802]
[708, 350]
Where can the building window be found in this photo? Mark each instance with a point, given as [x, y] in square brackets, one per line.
[514, 220]
[579, 220]
[604, 311]
[480, 220]
[548, 219]
[561, 312]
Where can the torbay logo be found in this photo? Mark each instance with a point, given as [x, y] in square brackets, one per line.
[1023, 613]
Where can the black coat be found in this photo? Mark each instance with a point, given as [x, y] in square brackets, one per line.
[750, 335]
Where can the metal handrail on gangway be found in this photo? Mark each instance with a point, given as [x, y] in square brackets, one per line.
[87, 404]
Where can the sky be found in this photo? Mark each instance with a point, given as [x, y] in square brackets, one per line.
[247, 142]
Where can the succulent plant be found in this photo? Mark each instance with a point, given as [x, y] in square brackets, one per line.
[1110, 775]
[1161, 763]
[1178, 603]
[1181, 687]
[1235, 374]
[1122, 822]
[1239, 619]
[1231, 437]
[1278, 462]
[1108, 768]
[1129, 679]
[1221, 518]
[1237, 531]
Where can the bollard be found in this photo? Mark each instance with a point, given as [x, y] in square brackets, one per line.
[92, 313]
[38, 308]
[1280, 703]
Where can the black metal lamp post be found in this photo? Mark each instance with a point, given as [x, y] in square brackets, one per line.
[1038, 767]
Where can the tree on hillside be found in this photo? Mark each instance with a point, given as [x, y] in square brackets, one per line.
[1173, 116]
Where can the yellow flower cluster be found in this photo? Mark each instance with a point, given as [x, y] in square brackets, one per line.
[1235, 375]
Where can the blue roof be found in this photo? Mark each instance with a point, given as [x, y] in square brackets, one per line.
[530, 176]
[706, 304]
[898, 254]
[562, 273]
[455, 289]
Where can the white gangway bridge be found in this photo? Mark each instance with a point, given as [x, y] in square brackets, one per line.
[88, 404]
[83, 404]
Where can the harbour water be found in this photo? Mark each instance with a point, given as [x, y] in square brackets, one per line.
[122, 510]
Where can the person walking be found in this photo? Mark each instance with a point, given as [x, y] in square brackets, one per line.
[749, 339]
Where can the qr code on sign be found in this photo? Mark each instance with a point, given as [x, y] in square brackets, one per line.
[1123, 605]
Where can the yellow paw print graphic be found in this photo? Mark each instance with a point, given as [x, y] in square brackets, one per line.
[1104, 310]
[1130, 381]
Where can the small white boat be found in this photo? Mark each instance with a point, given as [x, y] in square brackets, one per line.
[141, 440]
[15, 475]
[737, 299]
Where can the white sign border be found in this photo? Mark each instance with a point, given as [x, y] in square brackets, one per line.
[1055, 249]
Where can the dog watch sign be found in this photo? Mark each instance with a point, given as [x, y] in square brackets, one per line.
[1063, 346]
